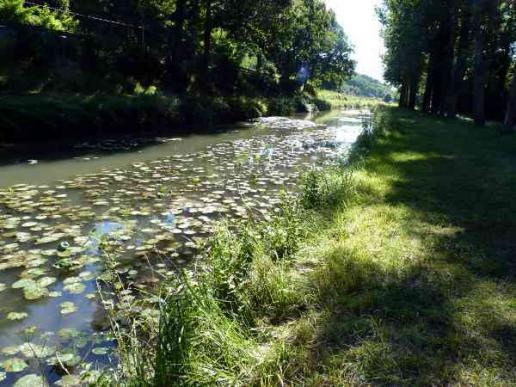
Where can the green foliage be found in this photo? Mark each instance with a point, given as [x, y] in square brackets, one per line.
[14, 12]
[37, 117]
[337, 100]
[203, 332]
[240, 262]
[42, 117]
[451, 57]
[365, 86]
[179, 46]
[327, 190]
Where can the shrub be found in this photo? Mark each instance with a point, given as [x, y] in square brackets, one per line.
[327, 189]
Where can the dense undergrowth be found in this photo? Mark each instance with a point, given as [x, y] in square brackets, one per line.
[46, 117]
[396, 268]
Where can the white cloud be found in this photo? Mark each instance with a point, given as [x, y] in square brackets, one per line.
[358, 18]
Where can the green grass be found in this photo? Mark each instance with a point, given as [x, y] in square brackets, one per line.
[416, 282]
[339, 100]
[400, 273]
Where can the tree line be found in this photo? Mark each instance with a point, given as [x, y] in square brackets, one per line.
[272, 46]
[451, 57]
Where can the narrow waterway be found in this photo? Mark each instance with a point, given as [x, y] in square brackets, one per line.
[155, 201]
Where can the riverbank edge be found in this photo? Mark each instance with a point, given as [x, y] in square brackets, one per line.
[343, 286]
[248, 283]
[40, 118]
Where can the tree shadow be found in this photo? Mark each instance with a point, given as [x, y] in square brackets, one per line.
[449, 315]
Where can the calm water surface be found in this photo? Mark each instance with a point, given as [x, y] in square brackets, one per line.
[154, 203]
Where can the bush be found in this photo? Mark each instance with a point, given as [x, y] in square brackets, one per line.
[322, 105]
[281, 107]
[331, 188]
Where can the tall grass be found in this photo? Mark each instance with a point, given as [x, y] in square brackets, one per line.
[210, 326]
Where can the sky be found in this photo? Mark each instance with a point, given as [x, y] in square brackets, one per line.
[359, 20]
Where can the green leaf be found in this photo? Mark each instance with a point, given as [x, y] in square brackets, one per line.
[17, 316]
[14, 364]
[31, 380]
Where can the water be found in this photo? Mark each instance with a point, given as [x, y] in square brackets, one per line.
[152, 203]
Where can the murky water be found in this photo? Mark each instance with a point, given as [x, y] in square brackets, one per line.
[154, 204]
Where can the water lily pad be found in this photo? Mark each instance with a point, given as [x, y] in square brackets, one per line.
[14, 364]
[87, 275]
[34, 271]
[91, 296]
[10, 351]
[34, 350]
[31, 380]
[70, 381]
[46, 281]
[30, 330]
[100, 351]
[68, 307]
[24, 282]
[75, 288]
[71, 280]
[48, 239]
[17, 316]
[68, 333]
[35, 292]
[66, 359]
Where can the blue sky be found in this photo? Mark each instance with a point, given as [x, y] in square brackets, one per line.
[359, 20]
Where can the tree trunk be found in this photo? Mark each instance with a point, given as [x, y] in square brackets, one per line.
[427, 98]
[403, 95]
[175, 56]
[479, 81]
[449, 36]
[436, 89]
[413, 92]
[510, 115]
[177, 31]
[459, 69]
[208, 27]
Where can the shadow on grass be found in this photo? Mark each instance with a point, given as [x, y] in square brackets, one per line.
[449, 317]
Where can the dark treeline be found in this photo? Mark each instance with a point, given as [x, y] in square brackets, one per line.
[179, 46]
[453, 56]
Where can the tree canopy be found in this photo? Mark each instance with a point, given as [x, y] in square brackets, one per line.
[452, 57]
[177, 45]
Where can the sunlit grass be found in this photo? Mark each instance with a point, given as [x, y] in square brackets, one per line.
[401, 273]
[340, 100]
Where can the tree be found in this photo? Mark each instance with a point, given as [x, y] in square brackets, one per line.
[460, 49]
[510, 115]
[189, 46]
[479, 9]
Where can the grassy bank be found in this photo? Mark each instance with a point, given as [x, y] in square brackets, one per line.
[48, 117]
[344, 101]
[395, 270]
